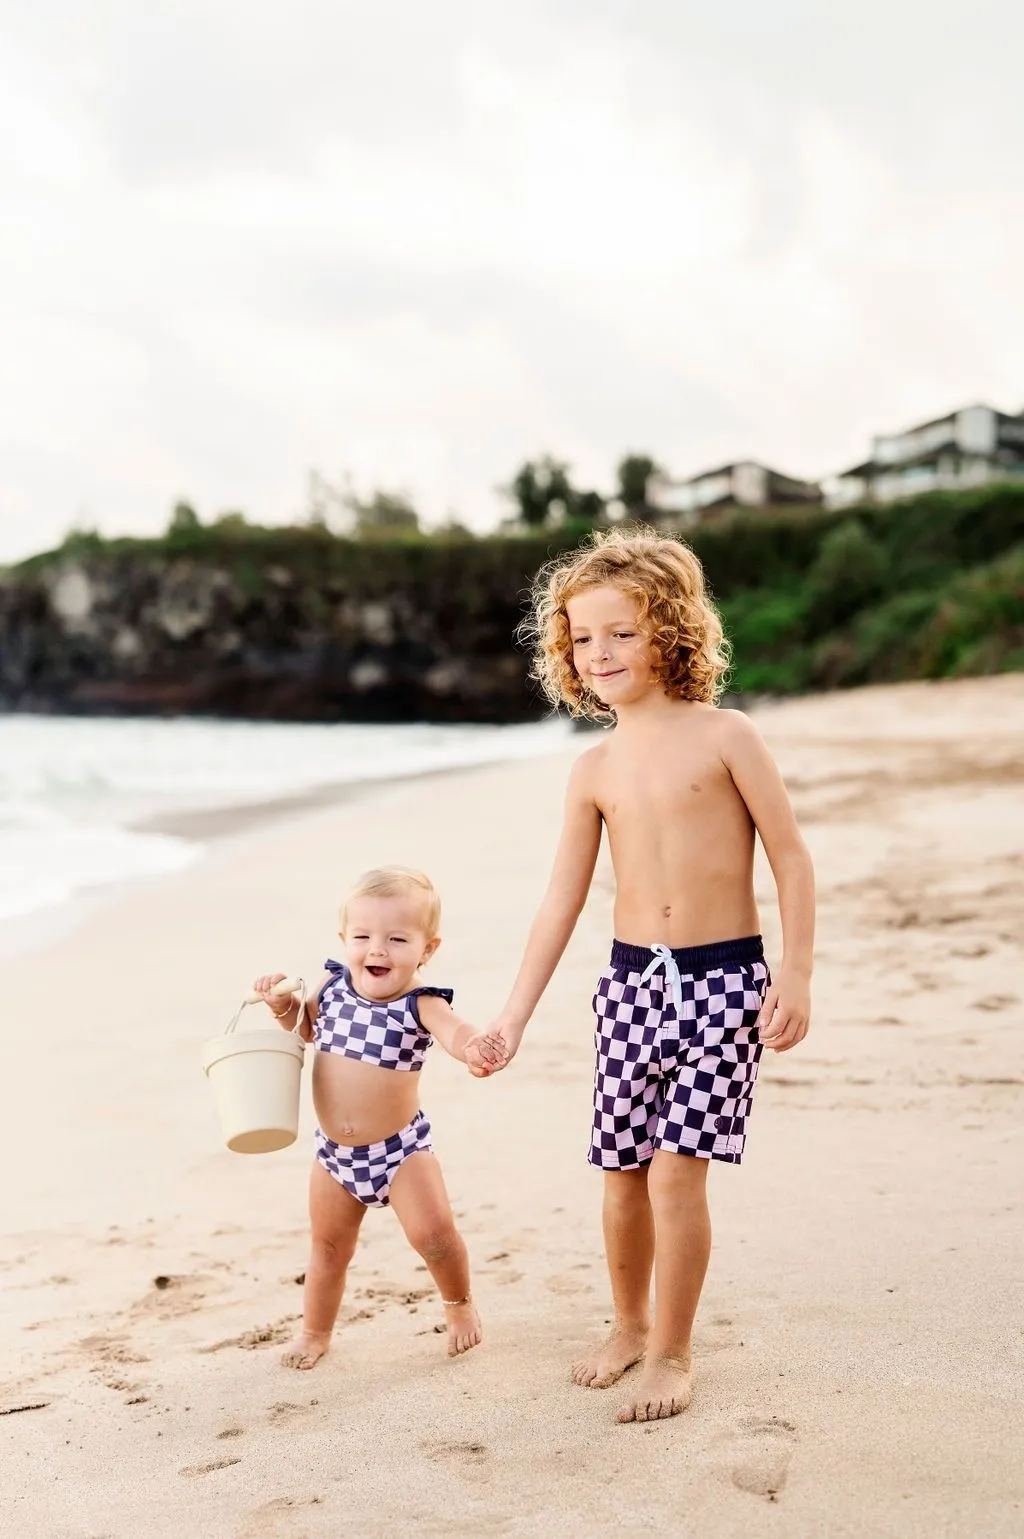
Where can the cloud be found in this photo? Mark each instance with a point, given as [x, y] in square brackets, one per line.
[420, 244]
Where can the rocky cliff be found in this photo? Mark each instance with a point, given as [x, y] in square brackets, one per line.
[316, 629]
[300, 624]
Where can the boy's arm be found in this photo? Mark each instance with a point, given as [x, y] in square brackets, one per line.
[560, 908]
[785, 1015]
[455, 1036]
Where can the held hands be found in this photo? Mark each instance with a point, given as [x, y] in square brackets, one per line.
[488, 1052]
[283, 1007]
[786, 1013]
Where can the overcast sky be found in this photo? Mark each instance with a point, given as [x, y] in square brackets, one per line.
[420, 242]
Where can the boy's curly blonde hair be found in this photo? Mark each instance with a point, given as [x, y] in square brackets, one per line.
[674, 610]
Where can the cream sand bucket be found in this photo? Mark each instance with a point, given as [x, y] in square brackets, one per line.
[255, 1076]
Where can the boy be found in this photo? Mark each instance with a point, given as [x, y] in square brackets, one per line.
[624, 630]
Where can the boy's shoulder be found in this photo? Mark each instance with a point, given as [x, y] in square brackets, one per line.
[585, 775]
[591, 758]
[731, 733]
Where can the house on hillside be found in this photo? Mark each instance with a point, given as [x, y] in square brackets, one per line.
[966, 448]
[744, 484]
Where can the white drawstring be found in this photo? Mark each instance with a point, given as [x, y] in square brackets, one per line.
[663, 958]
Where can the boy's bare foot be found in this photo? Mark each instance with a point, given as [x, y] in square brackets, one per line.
[463, 1328]
[608, 1362]
[306, 1350]
[665, 1388]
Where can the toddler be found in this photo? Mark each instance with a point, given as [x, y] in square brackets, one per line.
[371, 1023]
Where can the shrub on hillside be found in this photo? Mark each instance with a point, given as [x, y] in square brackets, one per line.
[849, 572]
[978, 623]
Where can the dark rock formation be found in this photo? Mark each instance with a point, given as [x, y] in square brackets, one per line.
[383, 636]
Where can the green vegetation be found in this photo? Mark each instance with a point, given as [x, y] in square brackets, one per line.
[542, 492]
[930, 588]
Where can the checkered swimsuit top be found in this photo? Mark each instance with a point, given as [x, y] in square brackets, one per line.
[387, 1034]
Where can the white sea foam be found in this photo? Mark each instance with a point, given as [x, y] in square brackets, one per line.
[70, 787]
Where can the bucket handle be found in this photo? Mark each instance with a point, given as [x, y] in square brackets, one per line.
[285, 987]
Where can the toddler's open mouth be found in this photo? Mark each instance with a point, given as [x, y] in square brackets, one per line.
[378, 972]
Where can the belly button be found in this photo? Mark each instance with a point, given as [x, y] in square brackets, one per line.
[694, 786]
[667, 911]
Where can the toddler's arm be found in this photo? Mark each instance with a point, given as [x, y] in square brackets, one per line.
[561, 906]
[785, 1015]
[480, 1054]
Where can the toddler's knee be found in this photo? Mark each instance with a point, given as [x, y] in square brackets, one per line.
[435, 1245]
[333, 1251]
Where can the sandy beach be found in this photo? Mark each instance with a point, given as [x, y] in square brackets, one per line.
[858, 1349]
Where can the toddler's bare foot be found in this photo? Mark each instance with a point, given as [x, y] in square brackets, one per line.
[306, 1350]
[609, 1361]
[463, 1328]
[664, 1389]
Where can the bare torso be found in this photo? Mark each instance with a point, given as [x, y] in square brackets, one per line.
[681, 837]
[361, 1103]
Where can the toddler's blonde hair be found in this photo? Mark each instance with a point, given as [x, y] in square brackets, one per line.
[674, 610]
[398, 882]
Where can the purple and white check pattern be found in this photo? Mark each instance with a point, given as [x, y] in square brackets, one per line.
[366, 1171]
[387, 1034]
[675, 1073]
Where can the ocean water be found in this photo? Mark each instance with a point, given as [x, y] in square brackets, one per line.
[73, 789]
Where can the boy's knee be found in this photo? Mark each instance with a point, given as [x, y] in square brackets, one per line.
[625, 1189]
[678, 1177]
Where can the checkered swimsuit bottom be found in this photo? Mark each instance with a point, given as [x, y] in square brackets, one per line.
[677, 1051]
[367, 1170]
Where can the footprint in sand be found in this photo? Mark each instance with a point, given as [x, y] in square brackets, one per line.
[381, 1295]
[358, 1315]
[287, 1410]
[719, 1334]
[192, 1470]
[565, 1283]
[759, 1455]
[123, 1386]
[172, 1294]
[463, 1455]
[17, 1405]
[259, 1336]
[264, 1522]
[104, 1350]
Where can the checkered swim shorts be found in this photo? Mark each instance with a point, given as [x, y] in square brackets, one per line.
[367, 1170]
[677, 1051]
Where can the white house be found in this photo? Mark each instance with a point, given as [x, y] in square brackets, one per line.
[744, 484]
[967, 448]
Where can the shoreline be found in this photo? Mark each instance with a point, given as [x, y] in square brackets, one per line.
[206, 828]
[212, 824]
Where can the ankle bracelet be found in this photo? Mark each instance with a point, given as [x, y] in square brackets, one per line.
[454, 1303]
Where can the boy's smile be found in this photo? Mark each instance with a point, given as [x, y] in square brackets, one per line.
[611, 652]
